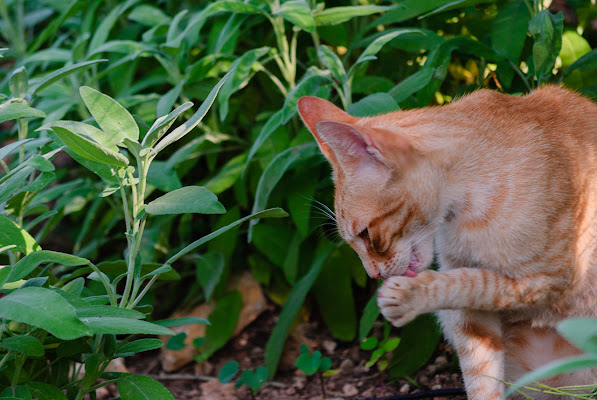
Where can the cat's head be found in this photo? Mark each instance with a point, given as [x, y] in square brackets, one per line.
[387, 191]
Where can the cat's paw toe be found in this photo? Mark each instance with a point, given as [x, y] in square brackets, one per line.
[395, 300]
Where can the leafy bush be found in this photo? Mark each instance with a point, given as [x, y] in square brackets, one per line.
[252, 152]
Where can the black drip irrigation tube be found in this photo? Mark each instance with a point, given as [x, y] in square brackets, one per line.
[430, 394]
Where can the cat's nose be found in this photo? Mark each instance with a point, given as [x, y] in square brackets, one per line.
[377, 276]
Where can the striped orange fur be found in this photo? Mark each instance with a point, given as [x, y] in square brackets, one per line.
[503, 189]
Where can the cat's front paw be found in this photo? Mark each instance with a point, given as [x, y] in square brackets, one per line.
[398, 299]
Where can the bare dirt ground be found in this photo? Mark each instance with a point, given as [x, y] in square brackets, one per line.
[354, 380]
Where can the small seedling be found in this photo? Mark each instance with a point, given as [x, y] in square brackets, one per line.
[386, 345]
[314, 363]
[253, 380]
[228, 372]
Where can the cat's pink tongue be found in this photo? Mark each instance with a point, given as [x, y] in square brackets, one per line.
[410, 273]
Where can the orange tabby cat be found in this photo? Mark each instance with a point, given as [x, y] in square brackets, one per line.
[506, 189]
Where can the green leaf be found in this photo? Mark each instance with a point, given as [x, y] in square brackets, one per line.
[89, 149]
[274, 172]
[75, 286]
[11, 233]
[26, 345]
[338, 15]
[19, 83]
[189, 199]
[582, 332]
[554, 368]
[59, 74]
[87, 131]
[332, 62]
[375, 46]
[546, 29]
[369, 344]
[113, 118]
[411, 85]
[587, 62]
[418, 342]
[243, 67]
[228, 371]
[273, 122]
[275, 343]
[172, 322]
[16, 393]
[148, 15]
[103, 30]
[509, 29]
[176, 342]
[271, 213]
[255, 379]
[370, 314]
[391, 345]
[140, 345]
[227, 176]
[44, 391]
[336, 302]
[210, 268]
[19, 110]
[163, 123]
[308, 363]
[186, 127]
[574, 47]
[374, 104]
[139, 387]
[108, 311]
[9, 148]
[124, 326]
[166, 102]
[45, 309]
[298, 13]
[223, 321]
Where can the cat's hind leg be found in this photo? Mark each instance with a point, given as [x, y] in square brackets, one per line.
[477, 337]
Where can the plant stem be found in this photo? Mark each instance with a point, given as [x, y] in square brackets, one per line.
[322, 385]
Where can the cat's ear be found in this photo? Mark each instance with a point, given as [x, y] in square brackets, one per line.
[314, 110]
[353, 150]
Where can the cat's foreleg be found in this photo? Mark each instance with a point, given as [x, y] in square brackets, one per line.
[477, 337]
[401, 298]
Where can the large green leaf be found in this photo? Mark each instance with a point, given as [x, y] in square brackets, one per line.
[223, 321]
[554, 368]
[271, 213]
[93, 311]
[27, 345]
[186, 127]
[374, 104]
[332, 62]
[113, 118]
[275, 343]
[59, 74]
[582, 332]
[418, 341]
[124, 326]
[243, 66]
[338, 15]
[546, 29]
[19, 83]
[587, 62]
[274, 172]
[87, 131]
[298, 13]
[163, 123]
[11, 233]
[140, 345]
[336, 302]
[272, 123]
[19, 110]
[45, 309]
[28, 263]
[189, 199]
[89, 149]
[139, 387]
[45, 391]
[370, 314]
